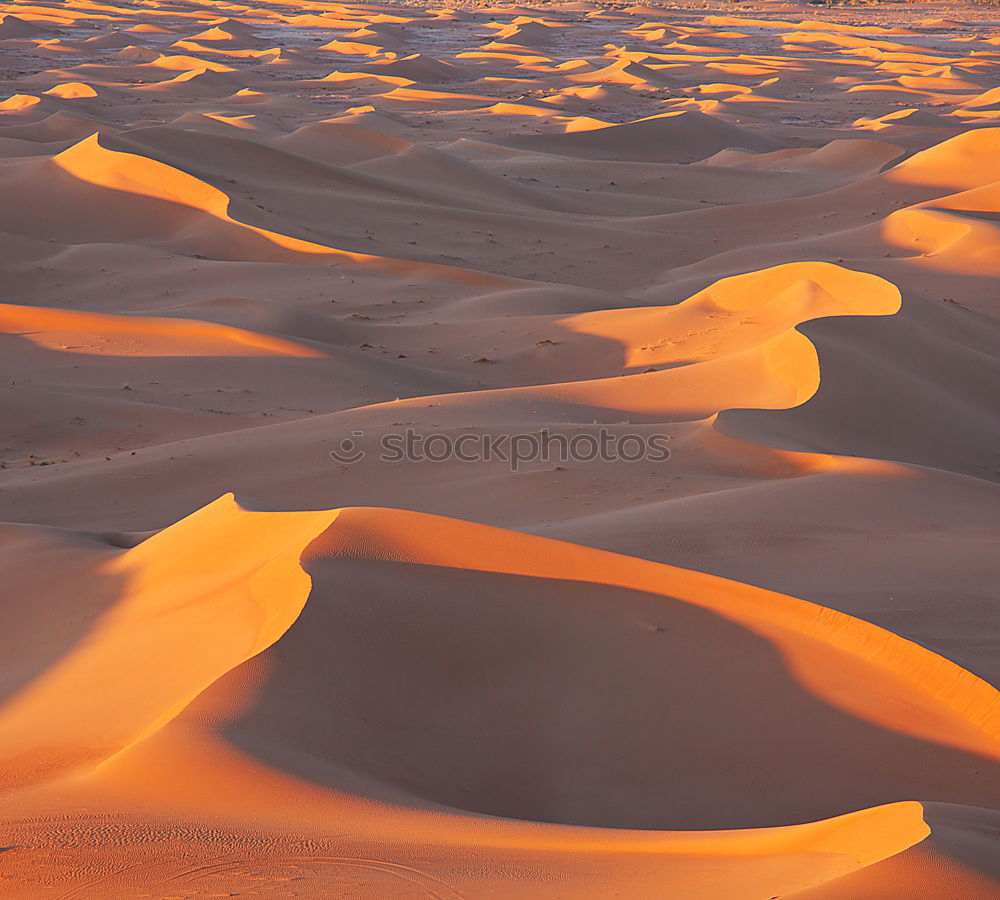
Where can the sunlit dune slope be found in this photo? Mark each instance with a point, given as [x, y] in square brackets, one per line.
[139, 336]
[65, 719]
[549, 621]
[618, 390]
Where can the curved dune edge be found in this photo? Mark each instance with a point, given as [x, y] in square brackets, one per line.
[226, 582]
[187, 612]
[91, 163]
[965, 161]
[148, 335]
[756, 358]
[418, 706]
[222, 585]
[775, 301]
[771, 365]
[404, 536]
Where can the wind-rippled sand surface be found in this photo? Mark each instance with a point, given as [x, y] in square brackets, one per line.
[233, 238]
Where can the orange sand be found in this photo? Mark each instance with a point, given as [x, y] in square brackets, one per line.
[763, 665]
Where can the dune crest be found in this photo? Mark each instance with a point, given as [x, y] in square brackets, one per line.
[215, 604]
[143, 336]
[136, 175]
[618, 390]
[252, 587]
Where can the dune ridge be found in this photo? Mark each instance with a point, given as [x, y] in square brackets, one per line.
[539, 451]
[255, 610]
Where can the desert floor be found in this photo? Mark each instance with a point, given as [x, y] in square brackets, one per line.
[750, 652]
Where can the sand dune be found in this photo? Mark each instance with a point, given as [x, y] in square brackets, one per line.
[418, 67]
[258, 591]
[12, 26]
[847, 158]
[669, 137]
[544, 452]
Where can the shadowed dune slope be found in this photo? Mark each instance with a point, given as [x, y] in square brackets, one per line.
[226, 583]
[618, 392]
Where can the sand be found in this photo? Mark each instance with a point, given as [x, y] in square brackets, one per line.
[247, 250]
